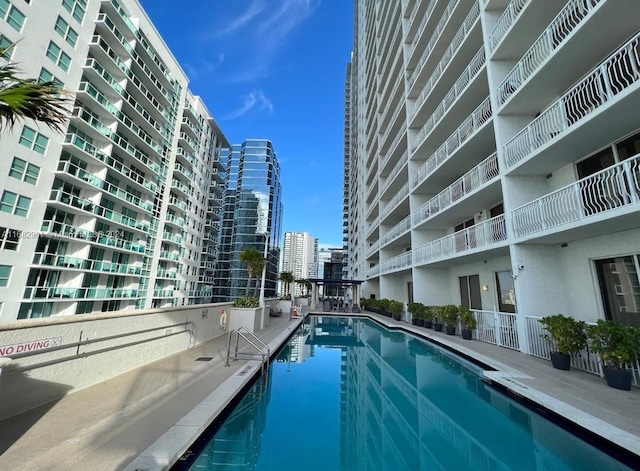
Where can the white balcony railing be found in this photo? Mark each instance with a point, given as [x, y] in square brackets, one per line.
[506, 20]
[397, 230]
[450, 98]
[398, 197]
[402, 161]
[614, 187]
[616, 74]
[373, 271]
[497, 328]
[487, 233]
[444, 19]
[571, 16]
[399, 262]
[482, 173]
[480, 115]
[423, 25]
[373, 248]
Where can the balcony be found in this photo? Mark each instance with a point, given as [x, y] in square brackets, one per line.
[397, 231]
[402, 195]
[454, 53]
[477, 177]
[163, 293]
[599, 106]
[63, 261]
[453, 104]
[612, 192]
[397, 263]
[478, 238]
[439, 163]
[72, 293]
[54, 229]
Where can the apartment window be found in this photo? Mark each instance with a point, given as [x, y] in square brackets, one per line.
[24, 171]
[13, 203]
[13, 16]
[77, 8]
[506, 291]
[34, 140]
[46, 76]
[619, 280]
[8, 239]
[35, 310]
[84, 307]
[66, 32]
[5, 274]
[58, 56]
[470, 296]
[6, 43]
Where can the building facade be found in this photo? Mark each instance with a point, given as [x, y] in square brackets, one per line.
[300, 257]
[113, 213]
[499, 151]
[252, 218]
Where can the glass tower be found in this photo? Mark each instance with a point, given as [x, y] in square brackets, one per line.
[252, 218]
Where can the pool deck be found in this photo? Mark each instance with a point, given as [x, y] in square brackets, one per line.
[146, 418]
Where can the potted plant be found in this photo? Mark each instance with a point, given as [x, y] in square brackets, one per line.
[618, 345]
[383, 306]
[468, 321]
[429, 316]
[438, 318]
[417, 313]
[450, 315]
[396, 308]
[565, 336]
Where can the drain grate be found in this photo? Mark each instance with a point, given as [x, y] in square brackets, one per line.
[204, 358]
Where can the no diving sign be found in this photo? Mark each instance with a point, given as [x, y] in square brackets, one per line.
[8, 350]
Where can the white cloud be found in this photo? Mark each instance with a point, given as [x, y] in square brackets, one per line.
[258, 34]
[256, 99]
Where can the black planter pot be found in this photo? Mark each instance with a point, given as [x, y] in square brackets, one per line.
[561, 361]
[420, 323]
[428, 324]
[414, 321]
[618, 379]
[466, 334]
[438, 326]
[451, 329]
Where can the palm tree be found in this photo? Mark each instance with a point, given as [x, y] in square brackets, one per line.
[27, 98]
[287, 278]
[305, 285]
[255, 263]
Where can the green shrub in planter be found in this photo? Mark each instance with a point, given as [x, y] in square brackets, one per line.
[417, 311]
[248, 302]
[618, 345]
[429, 315]
[468, 321]
[564, 334]
[396, 308]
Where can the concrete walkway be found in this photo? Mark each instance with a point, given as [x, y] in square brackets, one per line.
[143, 419]
[106, 426]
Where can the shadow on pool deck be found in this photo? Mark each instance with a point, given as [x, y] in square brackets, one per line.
[106, 426]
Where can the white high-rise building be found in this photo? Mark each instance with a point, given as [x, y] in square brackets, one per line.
[495, 156]
[121, 210]
[300, 257]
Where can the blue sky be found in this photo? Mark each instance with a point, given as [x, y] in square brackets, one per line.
[273, 69]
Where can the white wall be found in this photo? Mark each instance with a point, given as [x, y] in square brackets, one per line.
[39, 378]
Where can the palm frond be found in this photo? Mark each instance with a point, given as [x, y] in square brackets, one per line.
[27, 98]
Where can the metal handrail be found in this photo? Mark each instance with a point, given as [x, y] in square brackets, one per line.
[240, 332]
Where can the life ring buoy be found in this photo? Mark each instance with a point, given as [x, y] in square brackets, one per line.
[223, 319]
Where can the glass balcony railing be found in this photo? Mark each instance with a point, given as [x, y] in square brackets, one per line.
[63, 261]
[71, 293]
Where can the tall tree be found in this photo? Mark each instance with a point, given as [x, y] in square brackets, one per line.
[255, 262]
[22, 98]
[287, 278]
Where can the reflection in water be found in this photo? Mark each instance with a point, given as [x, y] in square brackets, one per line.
[393, 403]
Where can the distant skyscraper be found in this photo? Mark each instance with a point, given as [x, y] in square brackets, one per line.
[300, 257]
[252, 216]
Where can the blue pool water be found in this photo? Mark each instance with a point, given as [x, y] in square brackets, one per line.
[346, 394]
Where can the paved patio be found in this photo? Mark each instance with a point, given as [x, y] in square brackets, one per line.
[145, 413]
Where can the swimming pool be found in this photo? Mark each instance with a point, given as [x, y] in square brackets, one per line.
[347, 394]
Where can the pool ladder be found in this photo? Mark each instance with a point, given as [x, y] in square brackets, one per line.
[262, 350]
